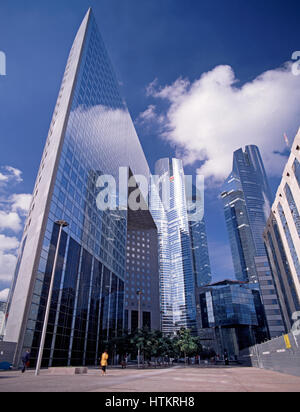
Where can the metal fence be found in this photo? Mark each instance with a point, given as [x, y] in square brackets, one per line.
[280, 354]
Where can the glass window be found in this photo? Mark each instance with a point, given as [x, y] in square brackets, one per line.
[293, 207]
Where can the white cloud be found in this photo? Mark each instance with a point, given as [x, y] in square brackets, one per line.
[10, 221]
[3, 178]
[148, 114]
[21, 203]
[10, 174]
[4, 295]
[8, 243]
[8, 259]
[14, 173]
[8, 263]
[209, 119]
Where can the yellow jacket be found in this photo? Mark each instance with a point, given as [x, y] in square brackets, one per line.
[104, 359]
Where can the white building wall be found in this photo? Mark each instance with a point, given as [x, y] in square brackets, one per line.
[290, 178]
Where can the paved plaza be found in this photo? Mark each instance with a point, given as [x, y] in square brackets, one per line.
[177, 379]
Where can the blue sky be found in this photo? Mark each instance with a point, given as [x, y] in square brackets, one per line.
[168, 56]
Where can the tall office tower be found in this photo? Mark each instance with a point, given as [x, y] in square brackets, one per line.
[238, 227]
[142, 303]
[247, 198]
[180, 256]
[282, 236]
[91, 135]
[201, 260]
[249, 169]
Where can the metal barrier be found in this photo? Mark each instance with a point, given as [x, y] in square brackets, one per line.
[280, 354]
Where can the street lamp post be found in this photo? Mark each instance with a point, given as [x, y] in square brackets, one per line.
[139, 293]
[61, 224]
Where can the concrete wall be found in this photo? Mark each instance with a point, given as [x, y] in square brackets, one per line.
[277, 354]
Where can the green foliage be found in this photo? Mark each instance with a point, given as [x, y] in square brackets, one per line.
[186, 343]
[153, 344]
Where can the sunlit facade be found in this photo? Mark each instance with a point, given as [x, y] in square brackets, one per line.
[247, 201]
[282, 236]
[91, 134]
[183, 252]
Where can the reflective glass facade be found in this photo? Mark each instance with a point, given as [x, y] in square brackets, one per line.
[248, 166]
[200, 253]
[240, 235]
[235, 312]
[182, 248]
[97, 137]
[247, 204]
[231, 305]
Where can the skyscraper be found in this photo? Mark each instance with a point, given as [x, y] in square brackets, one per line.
[182, 249]
[91, 135]
[201, 259]
[247, 199]
[282, 236]
[238, 227]
[142, 303]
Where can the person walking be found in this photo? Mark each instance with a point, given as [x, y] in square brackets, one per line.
[226, 358]
[124, 362]
[25, 360]
[104, 362]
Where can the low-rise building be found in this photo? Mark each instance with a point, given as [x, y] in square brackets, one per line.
[231, 316]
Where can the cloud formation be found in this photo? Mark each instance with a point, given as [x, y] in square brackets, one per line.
[21, 203]
[210, 118]
[4, 295]
[8, 259]
[13, 211]
[10, 221]
[10, 174]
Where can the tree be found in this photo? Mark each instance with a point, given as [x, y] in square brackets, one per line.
[186, 343]
[141, 339]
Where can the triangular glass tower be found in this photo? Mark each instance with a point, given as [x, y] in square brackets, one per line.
[91, 134]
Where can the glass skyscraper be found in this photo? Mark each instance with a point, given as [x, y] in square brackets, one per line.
[238, 227]
[247, 201]
[91, 135]
[183, 250]
[201, 260]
